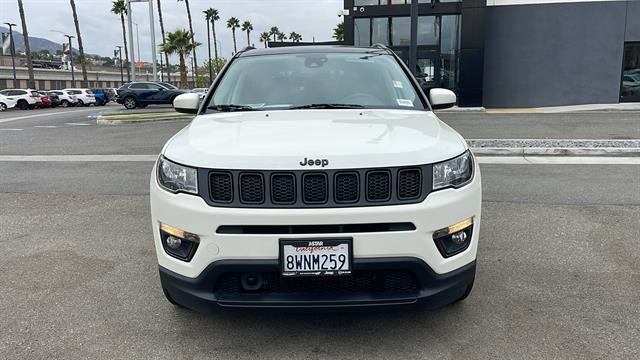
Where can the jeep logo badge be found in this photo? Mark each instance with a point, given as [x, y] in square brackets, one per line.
[314, 162]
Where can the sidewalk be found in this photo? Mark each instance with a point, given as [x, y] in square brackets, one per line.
[550, 109]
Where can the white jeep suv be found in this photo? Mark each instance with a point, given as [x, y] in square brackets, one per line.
[84, 97]
[315, 177]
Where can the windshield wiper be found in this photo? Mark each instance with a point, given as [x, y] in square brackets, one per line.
[231, 107]
[328, 106]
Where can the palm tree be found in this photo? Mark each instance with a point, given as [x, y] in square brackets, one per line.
[233, 23]
[282, 36]
[338, 32]
[274, 31]
[120, 8]
[180, 42]
[27, 49]
[166, 56]
[265, 37]
[193, 41]
[295, 37]
[213, 16]
[80, 47]
[207, 16]
[247, 27]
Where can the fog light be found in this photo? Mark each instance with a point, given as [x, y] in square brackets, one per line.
[178, 243]
[173, 242]
[459, 238]
[454, 239]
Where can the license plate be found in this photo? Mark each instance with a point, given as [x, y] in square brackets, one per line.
[316, 257]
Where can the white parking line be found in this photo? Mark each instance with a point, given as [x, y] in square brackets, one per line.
[11, 129]
[77, 124]
[506, 160]
[45, 114]
[45, 126]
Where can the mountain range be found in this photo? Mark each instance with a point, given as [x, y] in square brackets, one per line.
[35, 43]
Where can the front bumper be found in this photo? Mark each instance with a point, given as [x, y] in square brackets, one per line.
[211, 290]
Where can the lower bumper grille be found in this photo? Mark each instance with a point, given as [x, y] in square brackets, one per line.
[382, 281]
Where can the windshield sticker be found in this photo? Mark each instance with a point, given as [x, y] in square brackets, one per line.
[397, 84]
[405, 102]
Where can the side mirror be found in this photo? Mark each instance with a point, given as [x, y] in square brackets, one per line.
[187, 103]
[442, 98]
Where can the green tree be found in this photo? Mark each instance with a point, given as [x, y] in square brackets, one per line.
[80, 47]
[233, 23]
[166, 56]
[338, 32]
[247, 27]
[180, 42]
[274, 31]
[193, 41]
[295, 37]
[282, 36]
[213, 16]
[265, 37]
[120, 8]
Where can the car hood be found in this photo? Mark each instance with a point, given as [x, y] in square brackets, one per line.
[282, 139]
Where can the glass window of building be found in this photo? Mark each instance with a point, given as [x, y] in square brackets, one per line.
[366, 2]
[449, 50]
[380, 31]
[631, 73]
[428, 30]
[394, 2]
[362, 32]
[401, 31]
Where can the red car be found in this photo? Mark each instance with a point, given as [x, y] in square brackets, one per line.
[45, 101]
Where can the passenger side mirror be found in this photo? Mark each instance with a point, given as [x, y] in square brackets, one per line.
[442, 98]
[187, 103]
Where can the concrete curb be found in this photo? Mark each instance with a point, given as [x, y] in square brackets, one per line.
[556, 151]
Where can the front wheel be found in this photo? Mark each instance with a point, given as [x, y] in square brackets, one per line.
[80, 103]
[3, 107]
[23, 105]
[130, 103]
[64, 103]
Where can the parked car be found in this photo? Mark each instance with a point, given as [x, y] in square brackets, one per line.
[7, 102]
[110, 92]
[140, 94]
[85, 96]
[67, 99]
[55, 99]
[45, 100]
[24, 97]
[316, 177]
[101, 95]
[202, 92]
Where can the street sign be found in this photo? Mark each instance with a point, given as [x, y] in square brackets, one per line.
[138, 64]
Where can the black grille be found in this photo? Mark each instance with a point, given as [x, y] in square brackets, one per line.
[315, 188]
[378, 185]
[409, 183]
[221, 187]
[346, 188]
[283, 188]
[388, 281]
[251, 188]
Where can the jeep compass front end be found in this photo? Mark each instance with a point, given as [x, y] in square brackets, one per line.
[315, 177]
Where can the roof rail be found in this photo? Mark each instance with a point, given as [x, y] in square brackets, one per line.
[246, 48]
[381, 46]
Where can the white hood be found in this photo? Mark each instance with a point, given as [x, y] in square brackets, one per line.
[280, 140]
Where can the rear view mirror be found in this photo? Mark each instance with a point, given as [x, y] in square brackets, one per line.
[442, 98]
[187, 103]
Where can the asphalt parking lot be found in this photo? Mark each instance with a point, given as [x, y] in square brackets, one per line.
[558, 266]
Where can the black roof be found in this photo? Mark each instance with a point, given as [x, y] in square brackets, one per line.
[313, 49]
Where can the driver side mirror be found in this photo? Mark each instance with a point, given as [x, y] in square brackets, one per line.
[442, 98]
[187, 103]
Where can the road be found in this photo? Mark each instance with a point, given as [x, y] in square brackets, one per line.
[558, 265]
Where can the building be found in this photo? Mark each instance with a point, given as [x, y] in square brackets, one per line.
[512, 53]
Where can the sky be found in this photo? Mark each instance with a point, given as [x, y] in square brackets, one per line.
[101, 30]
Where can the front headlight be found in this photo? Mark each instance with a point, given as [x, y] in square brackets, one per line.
[456, 172]
[177, 178]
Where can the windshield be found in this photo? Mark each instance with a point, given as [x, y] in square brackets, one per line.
[330, 80]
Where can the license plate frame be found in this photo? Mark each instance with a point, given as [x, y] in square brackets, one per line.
[316, 242]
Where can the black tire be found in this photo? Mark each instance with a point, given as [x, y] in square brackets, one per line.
[64, 103]
[3, 107]
[23, 105]
[130, 102]
[170, 299]
[80, 102]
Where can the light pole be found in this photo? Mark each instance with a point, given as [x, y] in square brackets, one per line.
[120, 57]
[152, 33]
[73, 75]
[13, 53]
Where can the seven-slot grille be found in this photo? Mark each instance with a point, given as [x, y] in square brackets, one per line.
[326, 188]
